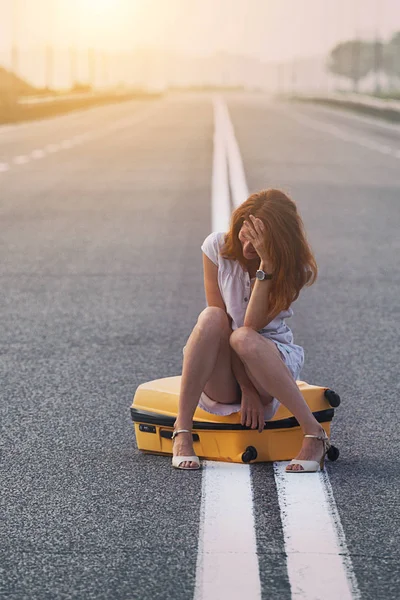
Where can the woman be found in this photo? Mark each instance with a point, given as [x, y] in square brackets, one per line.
[241, 349]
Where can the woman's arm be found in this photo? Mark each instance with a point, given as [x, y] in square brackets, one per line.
[240, 373]
[239, 370]
[252, 409]
[257, 315]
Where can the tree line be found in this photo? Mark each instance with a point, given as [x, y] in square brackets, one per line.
[355, 59]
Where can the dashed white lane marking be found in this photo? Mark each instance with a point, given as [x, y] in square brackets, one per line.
[78, 139]
[319, 565]
[82, 137]
[376, 122]
[51, 148]
[38, 154]
[227, 563]
[318, 561]
[344, 135]
[67, 144]
[21, 160]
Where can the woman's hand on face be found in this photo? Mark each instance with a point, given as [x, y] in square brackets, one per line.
[252, 410]
[254, 231]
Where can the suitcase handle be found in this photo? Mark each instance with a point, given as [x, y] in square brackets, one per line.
[165, 433]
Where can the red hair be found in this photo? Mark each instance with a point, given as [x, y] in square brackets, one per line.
[294, 265]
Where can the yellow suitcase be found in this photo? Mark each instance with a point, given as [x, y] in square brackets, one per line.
[223, 438]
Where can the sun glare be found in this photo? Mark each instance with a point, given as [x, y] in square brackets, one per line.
[100, 19]
[100, 6]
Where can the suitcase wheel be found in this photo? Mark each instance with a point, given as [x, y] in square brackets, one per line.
[249, 454]
[332, 397]
[333, 453]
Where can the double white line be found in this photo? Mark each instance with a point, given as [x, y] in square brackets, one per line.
[318, 561]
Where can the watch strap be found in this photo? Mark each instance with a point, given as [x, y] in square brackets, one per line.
[265, 275]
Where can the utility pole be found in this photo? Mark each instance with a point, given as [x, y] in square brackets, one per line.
[49, 60]
[294, 76]
[356, 51]
[12, 85]
[339, 20]
[75, 44]
[73, 70]
[14, 43]
[377, 64]
[104, 62]
[279, 79]
[91, 67]
[377, 47]
[49, 51]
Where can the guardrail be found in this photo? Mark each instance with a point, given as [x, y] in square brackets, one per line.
[69, 96]
[385, 108]
[37, 107]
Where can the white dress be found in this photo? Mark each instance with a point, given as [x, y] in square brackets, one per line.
[235, 286]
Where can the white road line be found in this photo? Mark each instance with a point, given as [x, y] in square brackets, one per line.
[344, 135]
[319, 565]
[84, 137]
[51, 148]
[227, 563]
[38, 154]
[79, 138]
[318, 562]
[21, 160]
[357, 117]
[69, 119]
[237, 178]
[220, 204]
[66, 144]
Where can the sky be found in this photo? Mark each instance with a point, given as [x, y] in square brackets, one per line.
[271, 30]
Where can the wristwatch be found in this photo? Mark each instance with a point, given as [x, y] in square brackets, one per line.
[260, 274]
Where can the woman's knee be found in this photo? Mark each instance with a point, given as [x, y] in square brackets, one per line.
[216, 319]
[246, 340]
[242, 339]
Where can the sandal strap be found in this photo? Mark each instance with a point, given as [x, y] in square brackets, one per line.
[176, 431]
[324, 439]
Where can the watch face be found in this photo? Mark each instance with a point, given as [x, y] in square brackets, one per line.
[260, 274]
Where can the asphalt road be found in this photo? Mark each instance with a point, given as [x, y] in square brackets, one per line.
[102, 282]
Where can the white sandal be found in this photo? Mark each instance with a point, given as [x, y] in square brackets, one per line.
[311, 466]
[177, 460]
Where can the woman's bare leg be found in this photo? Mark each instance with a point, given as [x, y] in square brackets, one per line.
[199, 360]
[269, 373]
